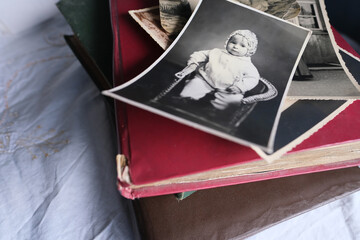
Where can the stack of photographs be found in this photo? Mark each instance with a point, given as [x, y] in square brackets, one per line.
[242, 74]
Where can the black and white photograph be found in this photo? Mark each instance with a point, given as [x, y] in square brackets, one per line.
[320, 74]
[227, 73]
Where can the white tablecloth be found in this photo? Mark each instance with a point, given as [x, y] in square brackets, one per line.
[57, 144]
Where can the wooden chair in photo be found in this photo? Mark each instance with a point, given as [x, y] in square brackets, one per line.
[236, 113]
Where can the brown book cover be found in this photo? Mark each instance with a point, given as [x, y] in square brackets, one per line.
[241, 210]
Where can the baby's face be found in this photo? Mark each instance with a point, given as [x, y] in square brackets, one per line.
[237, 46]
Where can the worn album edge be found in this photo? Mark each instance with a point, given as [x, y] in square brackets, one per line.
[122, 168]
[302, 162]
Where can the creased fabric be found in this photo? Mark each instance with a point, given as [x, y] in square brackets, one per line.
[57, 144]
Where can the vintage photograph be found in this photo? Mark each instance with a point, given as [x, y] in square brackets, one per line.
[160, 22]
[149, 20]
[227, 73]
[319, 74]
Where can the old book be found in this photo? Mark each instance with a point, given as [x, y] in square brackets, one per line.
[92, 40]
[239, 211]
[160, 156]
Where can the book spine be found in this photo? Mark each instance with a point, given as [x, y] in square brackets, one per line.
[157, 190]
[118, 78]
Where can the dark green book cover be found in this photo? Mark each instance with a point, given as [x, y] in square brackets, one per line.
[92, 40]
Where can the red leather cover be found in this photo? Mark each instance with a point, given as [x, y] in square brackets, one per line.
[159, 148]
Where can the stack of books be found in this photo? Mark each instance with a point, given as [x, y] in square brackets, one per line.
[173, 142]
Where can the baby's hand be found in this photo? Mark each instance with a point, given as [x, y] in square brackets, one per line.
[233, 89]
[187, 70]
[222, 100]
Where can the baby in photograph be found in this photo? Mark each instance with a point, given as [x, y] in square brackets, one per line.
[229, 72]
